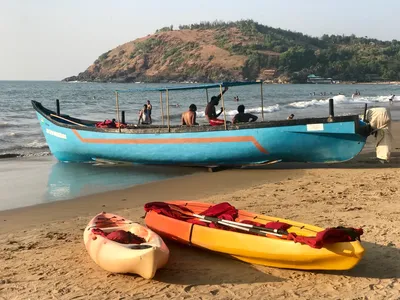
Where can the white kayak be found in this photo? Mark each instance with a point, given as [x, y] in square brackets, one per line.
[121, 246]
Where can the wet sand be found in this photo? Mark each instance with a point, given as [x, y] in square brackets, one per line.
[27, 181]
[43, 256]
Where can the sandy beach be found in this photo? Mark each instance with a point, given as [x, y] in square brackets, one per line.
[43, 255]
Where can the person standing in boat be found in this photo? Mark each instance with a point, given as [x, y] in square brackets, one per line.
[242, 117]
[189, 117]
[149, 108]
[144, 116]
[210, 112]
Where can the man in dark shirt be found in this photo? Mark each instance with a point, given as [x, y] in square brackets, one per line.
[210, 112]
[243, 117]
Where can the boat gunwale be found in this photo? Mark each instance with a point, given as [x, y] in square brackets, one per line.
[152, 129]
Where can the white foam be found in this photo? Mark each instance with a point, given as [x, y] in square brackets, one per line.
[13, 134]
[37, 154]
[200, 114]
[338, 98]
[9, 136]
[341, 99]
[305, 104]
[254, 110]
[370, 99]
[36, 144]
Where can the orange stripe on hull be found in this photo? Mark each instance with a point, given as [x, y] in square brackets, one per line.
[228, 139]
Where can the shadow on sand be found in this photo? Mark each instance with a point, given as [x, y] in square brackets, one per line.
[379, 261]
[362, 161]
[193, 266]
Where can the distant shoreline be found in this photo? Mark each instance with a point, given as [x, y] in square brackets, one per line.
[264, 82]
[341, 82]
[381, 82]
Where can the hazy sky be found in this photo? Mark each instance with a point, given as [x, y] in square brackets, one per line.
[54, 39]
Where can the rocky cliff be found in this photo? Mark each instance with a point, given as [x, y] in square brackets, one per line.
[244, 50]
[202, 55]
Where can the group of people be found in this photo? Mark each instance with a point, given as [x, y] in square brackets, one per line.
[189, 117]
[321, 93]
[145, 114]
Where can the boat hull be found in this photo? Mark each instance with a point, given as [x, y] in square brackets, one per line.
[273, 252]
[312, 141]
[124, 258]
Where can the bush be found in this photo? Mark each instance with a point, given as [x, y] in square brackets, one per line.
[148, 45]
[104, 56]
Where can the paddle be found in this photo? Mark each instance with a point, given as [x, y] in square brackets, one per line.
[278, 231]
[237, 225]
[251, 230]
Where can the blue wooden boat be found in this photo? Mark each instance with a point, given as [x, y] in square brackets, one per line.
[320, 140]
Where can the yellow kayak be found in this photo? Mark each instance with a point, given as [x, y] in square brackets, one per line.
[270, 250]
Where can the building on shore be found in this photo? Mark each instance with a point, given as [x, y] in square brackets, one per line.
[318, 80]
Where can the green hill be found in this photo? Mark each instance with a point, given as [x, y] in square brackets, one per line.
[244, 50]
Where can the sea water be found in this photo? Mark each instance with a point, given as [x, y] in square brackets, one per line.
[30, 181]
[35, 177]
[21, 135]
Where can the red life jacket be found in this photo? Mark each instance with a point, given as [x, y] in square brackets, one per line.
[106, 124]
[216, 122]
[110, 124]
[120, 125]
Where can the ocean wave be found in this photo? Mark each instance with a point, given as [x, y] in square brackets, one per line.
[13, 134]
[16, 154]
[36, 154]
[33, 147]
[5, 124]
[305, 104]
[9, 155]
[254, 110]
[341, 99]
[25, 149]
[7, 136]
[36, 145]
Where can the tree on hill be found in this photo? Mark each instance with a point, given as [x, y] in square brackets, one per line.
[339, 56]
